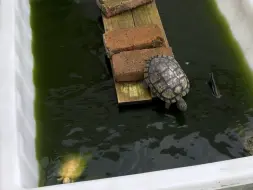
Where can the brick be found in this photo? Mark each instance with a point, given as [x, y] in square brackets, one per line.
[114, 7]
[129, 65]
[127, 39]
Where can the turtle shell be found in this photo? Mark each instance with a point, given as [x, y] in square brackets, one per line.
[165, 78]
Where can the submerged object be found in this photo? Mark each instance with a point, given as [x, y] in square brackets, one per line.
[213, 86]
[166, 80]
[72, 167]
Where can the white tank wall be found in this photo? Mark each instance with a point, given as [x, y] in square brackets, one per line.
[239, 15]
[18, 161]
[25, 93]
[18, 167]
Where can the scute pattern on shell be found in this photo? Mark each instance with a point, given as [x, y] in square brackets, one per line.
[166, 78]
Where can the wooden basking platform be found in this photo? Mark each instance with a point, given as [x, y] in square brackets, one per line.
[134, 92]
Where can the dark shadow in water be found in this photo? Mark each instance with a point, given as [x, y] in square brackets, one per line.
[76, 108]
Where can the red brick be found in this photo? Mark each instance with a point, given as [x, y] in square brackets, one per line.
[127, 39]
[113, 7]
[129, 65]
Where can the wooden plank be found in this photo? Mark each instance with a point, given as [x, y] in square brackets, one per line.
[131, 92]
[134, 92]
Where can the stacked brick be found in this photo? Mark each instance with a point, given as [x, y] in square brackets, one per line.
[129, 48]
[129, 65]
[149, 36]
[113, 7]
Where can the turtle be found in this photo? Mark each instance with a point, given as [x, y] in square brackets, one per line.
[166, 80]
[72, 167]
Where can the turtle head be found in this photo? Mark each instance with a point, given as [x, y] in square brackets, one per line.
[181, 105]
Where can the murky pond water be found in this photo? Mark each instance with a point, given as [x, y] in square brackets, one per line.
[76, 108]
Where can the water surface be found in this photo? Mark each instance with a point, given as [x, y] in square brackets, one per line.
[76, 108]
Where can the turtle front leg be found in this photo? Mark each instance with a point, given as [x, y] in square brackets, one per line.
[145, 85]
[181, 105]
[152, 94]
[167, 105]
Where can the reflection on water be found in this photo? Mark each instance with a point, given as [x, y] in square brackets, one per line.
[76, 108]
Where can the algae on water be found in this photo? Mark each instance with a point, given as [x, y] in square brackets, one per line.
[76, 108]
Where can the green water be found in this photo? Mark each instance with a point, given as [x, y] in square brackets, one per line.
[76, 108]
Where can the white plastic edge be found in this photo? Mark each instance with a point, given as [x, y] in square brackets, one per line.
[218, 175]
[239, 16]
[8, 135]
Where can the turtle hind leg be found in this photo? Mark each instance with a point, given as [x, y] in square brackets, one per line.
[167, 105]
[181, 104]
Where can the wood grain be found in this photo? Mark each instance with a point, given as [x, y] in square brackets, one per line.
[134, 92]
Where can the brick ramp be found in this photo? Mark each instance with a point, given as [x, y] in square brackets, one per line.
[134, 92]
